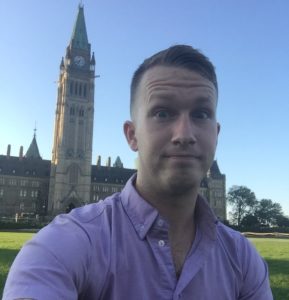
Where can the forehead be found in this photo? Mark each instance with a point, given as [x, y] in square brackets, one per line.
[165, 79]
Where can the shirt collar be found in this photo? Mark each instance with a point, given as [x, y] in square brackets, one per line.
[205, 218]
[142, 215]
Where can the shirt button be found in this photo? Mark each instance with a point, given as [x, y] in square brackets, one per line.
[161, 243]
[160, 222]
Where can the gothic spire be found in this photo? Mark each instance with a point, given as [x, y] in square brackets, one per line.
[33, 151]
[79, 35]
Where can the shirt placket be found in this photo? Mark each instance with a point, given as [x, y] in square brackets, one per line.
[159, 243]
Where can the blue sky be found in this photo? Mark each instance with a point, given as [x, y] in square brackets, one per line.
[248, 42]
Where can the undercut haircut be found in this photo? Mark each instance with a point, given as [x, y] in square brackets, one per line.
[182, 56]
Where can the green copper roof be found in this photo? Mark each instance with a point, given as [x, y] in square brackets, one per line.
[79, 35]
[33, 151]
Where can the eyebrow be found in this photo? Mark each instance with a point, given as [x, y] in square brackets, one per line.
[163, 96]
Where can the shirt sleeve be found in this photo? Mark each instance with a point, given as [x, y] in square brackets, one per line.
[53, 265]
[256, 284]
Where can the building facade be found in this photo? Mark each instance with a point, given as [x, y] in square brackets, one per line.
[30, 185]
[70, 175]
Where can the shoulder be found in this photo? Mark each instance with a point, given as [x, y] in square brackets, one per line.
[66, 254]
[84, 223]
[236, 244]
[235, 240]
[230, 237]
[244, 257]
[93, 212]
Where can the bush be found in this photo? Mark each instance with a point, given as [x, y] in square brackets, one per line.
[261, 229]
[21, 225]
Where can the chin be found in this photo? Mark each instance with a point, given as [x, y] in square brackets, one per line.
[182, 184]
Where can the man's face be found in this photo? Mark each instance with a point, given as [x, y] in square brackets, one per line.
[173, 128]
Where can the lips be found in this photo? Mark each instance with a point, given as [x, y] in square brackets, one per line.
[182, 156]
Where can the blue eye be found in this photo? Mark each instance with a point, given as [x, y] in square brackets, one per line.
[162, 114]
[202, 114]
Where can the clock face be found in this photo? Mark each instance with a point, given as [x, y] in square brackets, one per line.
[79, 61]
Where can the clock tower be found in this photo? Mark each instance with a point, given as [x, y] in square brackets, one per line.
[70, 176]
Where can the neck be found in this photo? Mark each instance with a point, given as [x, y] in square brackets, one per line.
[177, 209]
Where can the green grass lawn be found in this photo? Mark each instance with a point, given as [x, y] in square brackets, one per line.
[275, 252]
[10, 243]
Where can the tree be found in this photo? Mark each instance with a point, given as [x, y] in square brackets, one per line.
[282, 221]
[268, 212]
[242, 201]
[250, 221]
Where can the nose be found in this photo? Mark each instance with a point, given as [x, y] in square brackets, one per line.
[183, 131]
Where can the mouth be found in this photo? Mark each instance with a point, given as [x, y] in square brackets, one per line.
[182, 157]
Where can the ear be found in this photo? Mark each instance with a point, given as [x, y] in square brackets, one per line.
[218, 128]
[129, 132]
[218, 131]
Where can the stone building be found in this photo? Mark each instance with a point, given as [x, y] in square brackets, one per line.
[24, 182]
[30, 185]
[70, 175]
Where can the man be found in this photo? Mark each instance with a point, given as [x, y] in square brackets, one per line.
[157, 239]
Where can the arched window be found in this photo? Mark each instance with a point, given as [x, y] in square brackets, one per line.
[84, 90]
[71, 88]
[75, 88]
[80, 89]
[81, 112]
[73, 174]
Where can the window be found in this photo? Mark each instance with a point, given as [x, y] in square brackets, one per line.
[71, 88]
[73, 174]
[84, 90]
[105, 189]
[218, 193]
[1, 192]
[2, 181]
[81, 112]
[23, 182]
[94, 187]
[72, 111]
[80, 89]
[35, 184]
[12, 182]
[21, 206]
[75, 88]
[23, 193]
